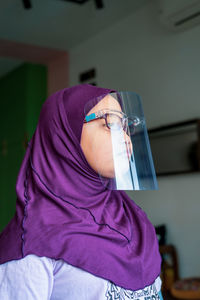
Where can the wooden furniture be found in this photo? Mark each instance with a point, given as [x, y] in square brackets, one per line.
[169, 268]
[173, 287]
[188, 288]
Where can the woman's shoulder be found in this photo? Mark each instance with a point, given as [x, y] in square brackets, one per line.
[30, 278]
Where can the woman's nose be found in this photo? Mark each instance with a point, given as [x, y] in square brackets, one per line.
[128, 142]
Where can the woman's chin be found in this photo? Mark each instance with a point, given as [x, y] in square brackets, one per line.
[107, 173]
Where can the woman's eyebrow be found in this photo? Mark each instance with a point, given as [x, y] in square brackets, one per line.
[116, 112]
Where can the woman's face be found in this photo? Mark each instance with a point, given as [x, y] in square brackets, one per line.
[96, 140]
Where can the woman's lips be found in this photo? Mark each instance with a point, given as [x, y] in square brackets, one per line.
[126, 153]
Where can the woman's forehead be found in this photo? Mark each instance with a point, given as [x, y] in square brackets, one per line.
[108, 102]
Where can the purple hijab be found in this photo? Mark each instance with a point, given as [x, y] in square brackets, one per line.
[64, 212]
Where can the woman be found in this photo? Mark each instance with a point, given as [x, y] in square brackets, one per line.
[74, 235]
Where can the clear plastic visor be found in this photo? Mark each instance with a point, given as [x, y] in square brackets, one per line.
[119, 145]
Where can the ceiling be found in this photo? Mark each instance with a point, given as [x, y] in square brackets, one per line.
[58, 24]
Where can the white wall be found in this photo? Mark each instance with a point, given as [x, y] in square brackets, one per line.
[138, 54]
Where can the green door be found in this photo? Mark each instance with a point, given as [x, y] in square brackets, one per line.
[22, 93]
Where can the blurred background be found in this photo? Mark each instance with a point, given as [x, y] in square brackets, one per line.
[151, 47]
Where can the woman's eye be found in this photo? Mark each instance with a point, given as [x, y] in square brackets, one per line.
[105, 127]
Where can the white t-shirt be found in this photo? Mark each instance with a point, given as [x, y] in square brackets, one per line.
[42, 278]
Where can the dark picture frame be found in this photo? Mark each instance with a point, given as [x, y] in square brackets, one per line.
[176, 147]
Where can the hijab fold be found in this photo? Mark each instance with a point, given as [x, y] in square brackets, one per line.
[64, 212]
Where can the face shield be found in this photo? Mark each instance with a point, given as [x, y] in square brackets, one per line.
[120, 143]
